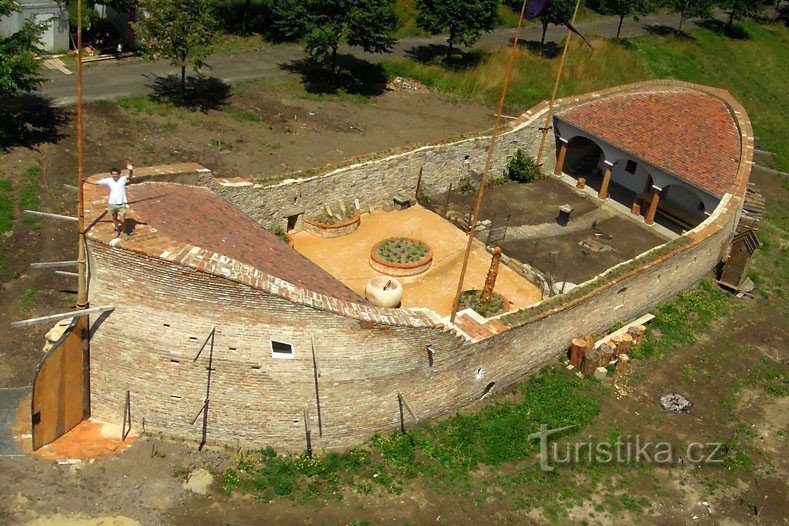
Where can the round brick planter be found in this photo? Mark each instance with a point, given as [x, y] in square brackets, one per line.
[334, 230]
[400, 269]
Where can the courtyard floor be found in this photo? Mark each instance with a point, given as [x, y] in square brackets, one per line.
[347, 258]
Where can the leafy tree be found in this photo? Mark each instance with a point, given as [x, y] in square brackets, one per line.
[324, 24]
[18, 67]
[623, 8]
[555, 12]
[180, 31]
[739, 9]
[463, 20]
[689, 9]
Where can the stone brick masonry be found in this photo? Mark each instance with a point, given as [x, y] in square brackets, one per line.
[165, 311]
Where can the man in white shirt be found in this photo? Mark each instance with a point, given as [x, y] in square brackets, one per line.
[116, 204]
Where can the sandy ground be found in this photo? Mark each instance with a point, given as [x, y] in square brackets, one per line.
[434, 289]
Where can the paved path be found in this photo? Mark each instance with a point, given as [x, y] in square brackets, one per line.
[106, 80]
[9, 403]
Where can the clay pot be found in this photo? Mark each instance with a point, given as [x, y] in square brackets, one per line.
[383, 291]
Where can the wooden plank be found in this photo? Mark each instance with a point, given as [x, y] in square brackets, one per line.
[61, 316]
[643, 320]
[47, 214]
[51, 264]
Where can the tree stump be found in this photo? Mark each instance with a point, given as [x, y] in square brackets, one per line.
[590, 361]
[616, 342]
[577, 351]
[606, 354]
[621, 364]
[637, 333]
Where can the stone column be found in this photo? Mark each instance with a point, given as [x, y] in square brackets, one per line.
[653, 204]
[562, 154]
[603, 193]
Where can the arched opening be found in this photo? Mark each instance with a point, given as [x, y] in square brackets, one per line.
[630, 182]
[680, 208]
[583, 159]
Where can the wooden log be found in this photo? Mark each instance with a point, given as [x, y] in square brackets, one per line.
[625, 344]
[615, 342]
[637, 332]
[589, 361]
[606, 354]
[621, 364]
[577, 351]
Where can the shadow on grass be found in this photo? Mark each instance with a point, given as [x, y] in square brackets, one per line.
[550, 50]
[437, 54]
[663, 31]
[735, 32]
[201, 93]
[30, 120]
[353, 76]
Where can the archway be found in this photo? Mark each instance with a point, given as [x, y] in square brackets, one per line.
[583, 159]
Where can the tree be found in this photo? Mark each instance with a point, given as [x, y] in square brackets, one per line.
[623, 8]
[463, 20]
[689, 9]
[739, 9]
[555, 12]
[18, 66]
[180, 31]
[324, 24]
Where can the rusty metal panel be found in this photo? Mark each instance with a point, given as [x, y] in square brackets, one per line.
[58, 389]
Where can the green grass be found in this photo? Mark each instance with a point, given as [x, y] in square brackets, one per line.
[750, 69]
[29, 193]
[6, 206]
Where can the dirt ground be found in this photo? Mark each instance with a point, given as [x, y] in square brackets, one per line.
[147, 483]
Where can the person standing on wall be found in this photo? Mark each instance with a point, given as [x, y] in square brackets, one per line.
[116, 202]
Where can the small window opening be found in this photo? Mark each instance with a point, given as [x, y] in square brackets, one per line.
[281, 349]
[480, 373]
[631, 166]
[488, 389]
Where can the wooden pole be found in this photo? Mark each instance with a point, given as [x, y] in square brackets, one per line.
[47, 214]
[61, 316]
[488, 161]
[82, 284]
[577, 351]
[445, 210]
[548, 116]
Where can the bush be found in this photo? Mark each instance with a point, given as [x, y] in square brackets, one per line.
[522, 168]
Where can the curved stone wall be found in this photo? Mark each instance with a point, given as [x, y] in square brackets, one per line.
[362, 356]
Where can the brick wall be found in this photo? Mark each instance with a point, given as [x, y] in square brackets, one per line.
[376, 182]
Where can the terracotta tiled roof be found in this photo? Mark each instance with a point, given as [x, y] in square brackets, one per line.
[172, 221]
[689, 134]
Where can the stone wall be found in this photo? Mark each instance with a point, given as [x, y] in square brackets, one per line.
[376, 182]
[165, 313]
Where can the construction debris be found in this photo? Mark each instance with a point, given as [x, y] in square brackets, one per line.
[676, 403]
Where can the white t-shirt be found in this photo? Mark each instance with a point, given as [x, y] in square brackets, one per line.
[117, 189]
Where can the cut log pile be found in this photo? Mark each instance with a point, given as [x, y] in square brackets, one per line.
[589, 359]
[752, 209]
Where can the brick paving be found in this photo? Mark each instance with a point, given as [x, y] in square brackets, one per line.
[690, 134]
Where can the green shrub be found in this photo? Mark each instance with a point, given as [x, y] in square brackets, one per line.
[522, 168]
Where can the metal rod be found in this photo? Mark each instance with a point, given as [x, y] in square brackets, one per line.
[82, 281]
[548, 115]
[50, 215]
[50, 264]
[69, 274]
[317, 374]
[488, 161]
[61, 316]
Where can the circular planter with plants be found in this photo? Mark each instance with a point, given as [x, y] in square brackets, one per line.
[401, 256]
[472, 299]
[333, 224]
